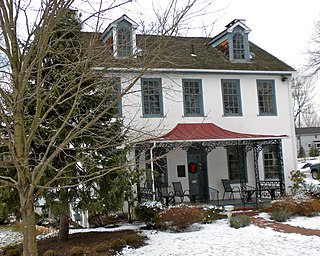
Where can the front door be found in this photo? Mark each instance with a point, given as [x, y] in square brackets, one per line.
[198, 175]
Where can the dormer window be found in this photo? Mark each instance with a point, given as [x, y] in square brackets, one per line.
[124, 46]
[233, 42]
[238, 47]
[120, 36]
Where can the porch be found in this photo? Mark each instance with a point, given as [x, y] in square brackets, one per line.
[258, 200]
[199, 156]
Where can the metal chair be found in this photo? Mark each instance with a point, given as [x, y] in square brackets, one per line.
[165, 195]
[178, 191]
[229, 189]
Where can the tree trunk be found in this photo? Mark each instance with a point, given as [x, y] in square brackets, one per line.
[29, 227]
[64, 217]
[64, 227]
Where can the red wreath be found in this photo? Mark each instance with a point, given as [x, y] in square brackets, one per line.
[192, 167]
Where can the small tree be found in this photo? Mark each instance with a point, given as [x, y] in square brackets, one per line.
[313, 152]
[302, 152]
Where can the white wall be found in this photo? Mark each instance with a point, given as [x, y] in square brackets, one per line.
[249, 122]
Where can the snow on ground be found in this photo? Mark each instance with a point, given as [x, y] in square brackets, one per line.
[7, 237]
[217, 239]
[221, 240]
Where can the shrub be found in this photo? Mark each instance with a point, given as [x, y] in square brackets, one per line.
[147, 212]
[50, 253]
[301, 207]
[313, 190]
[11, 251]
[212, 213]
[118, 244]
[101, 248]
[309, 208]
[281, 215]
[298, 180]
[76, 251]
[179, 218]
[132, 239]
[240, 221]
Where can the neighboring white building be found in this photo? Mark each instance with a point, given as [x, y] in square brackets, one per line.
[308, 138]
[215, 108]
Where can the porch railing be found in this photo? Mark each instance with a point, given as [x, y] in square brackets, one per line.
[268, 184]
[214, 196]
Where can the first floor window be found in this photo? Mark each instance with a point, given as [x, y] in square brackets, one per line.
[192, 97]
[159, 165]
[151, 91]
[236, 164]
[271, 164]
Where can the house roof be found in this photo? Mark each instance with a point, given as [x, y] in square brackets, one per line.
[308, 130]
[195, 53]
[187, 53]
[208, 132]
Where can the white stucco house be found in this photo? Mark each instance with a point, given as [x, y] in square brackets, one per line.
[212, 108]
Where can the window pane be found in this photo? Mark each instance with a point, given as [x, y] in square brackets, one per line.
[124, 42]
[271, 164]
[266, 97]
[152, 97]
[112, 86]
[231, 97]
[236, 163]
[238, 48]
[192, 97]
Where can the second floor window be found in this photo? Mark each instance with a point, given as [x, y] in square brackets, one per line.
[266, 97]
[231, 97]
[151, 90]
[238, 46]
[112, 87]
[192, 97]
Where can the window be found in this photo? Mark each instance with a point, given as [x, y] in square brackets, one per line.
[236, 164]
[271, 164]
[124, 42]
[266, 97]
[192, 97]
[112, 86]
[231, 97]
[238, 46]
[159, 166]
[151, 97]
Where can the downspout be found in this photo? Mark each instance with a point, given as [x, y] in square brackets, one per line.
[152, 172]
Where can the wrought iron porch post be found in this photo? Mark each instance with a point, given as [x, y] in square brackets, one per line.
[281, 167]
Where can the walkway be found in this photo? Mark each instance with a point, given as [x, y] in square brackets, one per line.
[285, 228]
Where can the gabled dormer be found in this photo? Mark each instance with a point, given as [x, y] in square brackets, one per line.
[120, 36]
[233, 41]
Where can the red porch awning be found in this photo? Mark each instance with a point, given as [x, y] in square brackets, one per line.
[208, 132]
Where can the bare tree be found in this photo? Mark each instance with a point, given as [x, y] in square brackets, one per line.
[314, 51]
[37, 94]
[302, 95]
[311, 118]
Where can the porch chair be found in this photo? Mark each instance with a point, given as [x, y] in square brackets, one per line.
[178, 191]
[165, 195]
[229, 189]
[247, 192]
